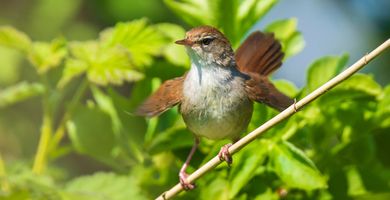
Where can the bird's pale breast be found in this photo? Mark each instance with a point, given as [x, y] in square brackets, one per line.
[215, 104]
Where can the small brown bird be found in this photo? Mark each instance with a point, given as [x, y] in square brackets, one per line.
[216, 95]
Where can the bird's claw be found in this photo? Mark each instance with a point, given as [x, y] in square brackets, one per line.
[224, 154]
[184, 183]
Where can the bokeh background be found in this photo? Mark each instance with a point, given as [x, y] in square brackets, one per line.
[329, 28]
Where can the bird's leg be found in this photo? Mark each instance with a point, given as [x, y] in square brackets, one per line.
[182, 174]
[224, 154]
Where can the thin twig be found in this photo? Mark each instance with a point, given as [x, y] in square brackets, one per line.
[280, 117]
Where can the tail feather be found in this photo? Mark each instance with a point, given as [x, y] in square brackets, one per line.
[260, 53]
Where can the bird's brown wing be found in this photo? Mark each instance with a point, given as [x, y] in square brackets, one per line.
[260, 53]
[167, 95]
[260, 89]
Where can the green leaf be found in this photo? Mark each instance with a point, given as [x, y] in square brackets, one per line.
[73, 68]
[359, 86]
[91, 133]
[140, 39]
[174, 53]
[45, 56]
[111, 65]
[323, 69]
[248, 14]
[235, 18]
[294, 168]
[194, 12]
[13, 38]
[286, 32]
[286, 87]
[246, 163]
[19, 92]
[294, 45]
[103, 186]
[382, 115]
[10, 66]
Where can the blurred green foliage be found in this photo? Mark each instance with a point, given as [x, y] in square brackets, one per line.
[84, 93]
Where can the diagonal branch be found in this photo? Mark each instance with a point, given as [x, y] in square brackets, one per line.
[280, 117]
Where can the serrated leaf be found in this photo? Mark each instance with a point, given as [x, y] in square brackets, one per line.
[45, 56]
[294, 168]
[110, 65]
[104, 186]
[323, 69]
[73, 68]
[286, 32]
[19, 92]
[113, 67]
[140, 39]
[13, 38]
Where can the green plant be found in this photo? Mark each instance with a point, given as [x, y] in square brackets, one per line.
[334, 148]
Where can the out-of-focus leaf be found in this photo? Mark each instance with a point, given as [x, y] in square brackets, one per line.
[248, 14]
[140, 39]
[294, 168]
[91, 133]
[22, 183]
[19, 92]
[246, 164]
[174, 53]
[294, 45]
[103, 186]
[216, 188]
[323, 69]
[73, 68]
[9, 70]
[359, 86]
[13, 38]
[355, 183]
[286, 87]
[286, 32]
[111, 65]
[193, 12]
[383, 112]
[234, 18]
[45, 56]
[171, 139]
[283, 29]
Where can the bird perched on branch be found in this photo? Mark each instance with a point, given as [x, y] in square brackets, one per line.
[216, 95]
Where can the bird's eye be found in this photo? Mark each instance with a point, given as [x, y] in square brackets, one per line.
[206, 41]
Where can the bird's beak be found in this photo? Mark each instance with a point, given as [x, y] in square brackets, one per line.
[185, 42]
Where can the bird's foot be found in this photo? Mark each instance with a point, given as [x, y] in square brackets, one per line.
[224, 154]
[183, 181]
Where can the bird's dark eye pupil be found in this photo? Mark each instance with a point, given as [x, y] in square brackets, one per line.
[207, 41]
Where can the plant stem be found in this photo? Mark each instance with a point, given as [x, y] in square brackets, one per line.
[46, 130]
[60, 131]
[214, 162]
[3, 182]
[41, 155]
